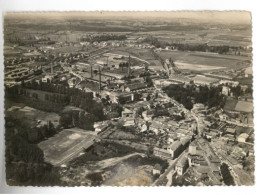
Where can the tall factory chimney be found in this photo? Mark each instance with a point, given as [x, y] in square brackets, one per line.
[100, 78]
[52, 70]
[91, 71]
[107, 60]
[129, 66]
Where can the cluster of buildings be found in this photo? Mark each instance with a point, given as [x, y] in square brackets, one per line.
[176, 135]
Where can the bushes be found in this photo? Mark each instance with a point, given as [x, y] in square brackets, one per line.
[227, 177]
[77, 118]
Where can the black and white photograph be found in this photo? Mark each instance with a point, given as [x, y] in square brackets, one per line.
[154, 98]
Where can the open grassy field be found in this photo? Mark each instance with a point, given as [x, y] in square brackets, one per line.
[205, 61]
[197, 67]
[32, 115]
[66, 145]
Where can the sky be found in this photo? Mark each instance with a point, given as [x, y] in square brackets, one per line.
[227, 17]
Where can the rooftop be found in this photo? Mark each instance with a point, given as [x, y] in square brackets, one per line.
[175, 145]
[230, 130]
[202, 169]
[244, 106]
[243, 135]
[126, 111]
[182, 161]
[157, 167]
[185, 140]
[136, 86]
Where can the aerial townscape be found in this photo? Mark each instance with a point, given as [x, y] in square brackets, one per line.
[128, 99]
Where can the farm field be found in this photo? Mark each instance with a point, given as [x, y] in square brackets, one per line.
[192, 61]
[214, 36]
[196, 67]
[66, 145]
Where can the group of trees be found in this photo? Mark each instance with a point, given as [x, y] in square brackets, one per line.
[37, 134]
[77, 118]
[35, 103]
[89, 105]
[160, 111]
[57, 97]
[113, 111]
[49, 87]
[211, 97]
[226, 175]
[237, 91]
[155, 42]
[222, 49]
[101, 38]
[24, 159]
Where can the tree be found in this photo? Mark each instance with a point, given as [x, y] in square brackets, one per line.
[116, 108]
[66, 119]
[139, 111]
[236, 91]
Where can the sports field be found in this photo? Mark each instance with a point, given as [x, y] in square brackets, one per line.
[66, 145]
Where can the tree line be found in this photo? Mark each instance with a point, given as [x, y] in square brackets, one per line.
[221, 49]
[209, 96]
[24, 159]
[101, 38]
[77, 118]
[58, 97]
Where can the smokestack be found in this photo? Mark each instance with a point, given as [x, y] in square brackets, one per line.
[52, 70]
[129, 67]
[91, 72]
[100, 78]
[107, 60]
